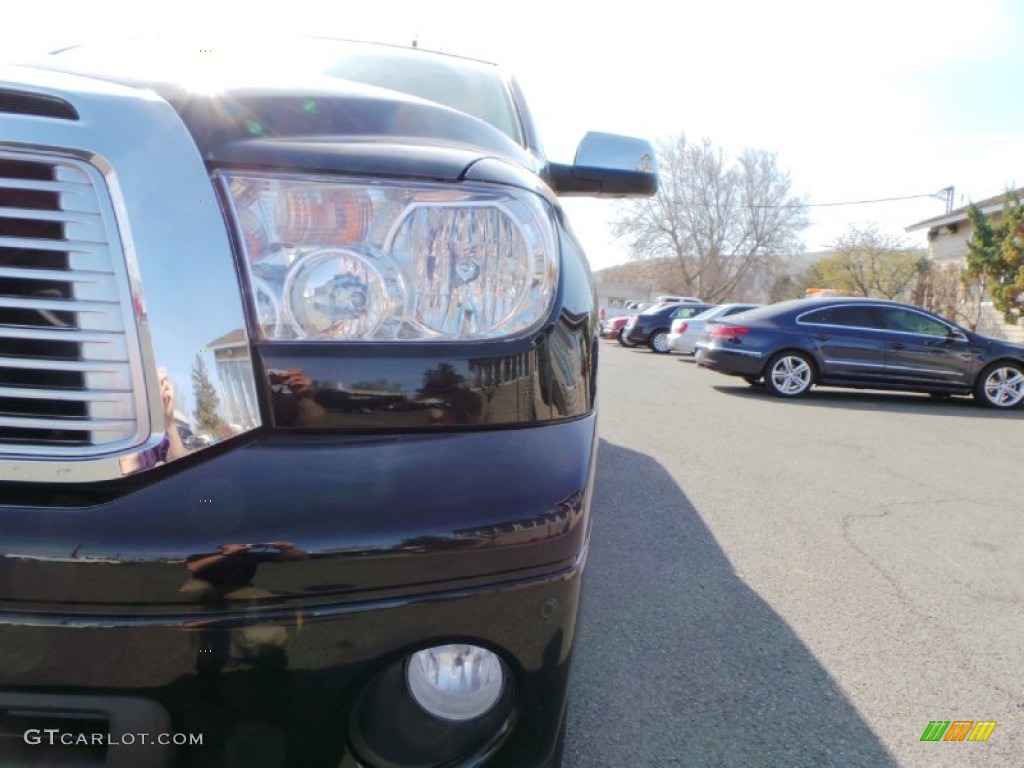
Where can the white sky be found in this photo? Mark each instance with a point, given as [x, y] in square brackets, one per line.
[860, 100]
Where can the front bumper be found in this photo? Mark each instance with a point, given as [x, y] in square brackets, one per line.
[475, 537]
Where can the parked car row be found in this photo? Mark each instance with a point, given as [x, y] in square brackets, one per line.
[858, 343]
[651, 327]
[612, 326]
[685, 332]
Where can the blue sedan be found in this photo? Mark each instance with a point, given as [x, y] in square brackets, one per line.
[863, 344]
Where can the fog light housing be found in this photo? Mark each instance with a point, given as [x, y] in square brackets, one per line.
[461, 714]
[455, 682]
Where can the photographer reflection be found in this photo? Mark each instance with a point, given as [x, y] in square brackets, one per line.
[171, 447]
[291, 397]
[227, 575]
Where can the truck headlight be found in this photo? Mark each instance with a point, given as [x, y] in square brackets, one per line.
[333, 259]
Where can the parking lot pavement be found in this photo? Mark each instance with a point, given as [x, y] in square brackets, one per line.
[809, 583]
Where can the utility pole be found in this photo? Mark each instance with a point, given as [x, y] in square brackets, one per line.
[947, 192]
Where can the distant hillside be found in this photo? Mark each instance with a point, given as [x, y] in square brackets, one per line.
[641, 273]
[662, 276]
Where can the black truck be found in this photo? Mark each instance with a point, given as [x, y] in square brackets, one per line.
[298, 362]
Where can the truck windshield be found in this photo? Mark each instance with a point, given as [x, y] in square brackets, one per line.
[474, 87]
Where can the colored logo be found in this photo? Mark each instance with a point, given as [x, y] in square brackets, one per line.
[958, 730]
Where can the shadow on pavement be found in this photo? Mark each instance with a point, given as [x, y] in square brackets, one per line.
[875, 400]
[678, 662]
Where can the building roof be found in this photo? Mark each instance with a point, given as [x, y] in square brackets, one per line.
[988, 205]
[233, 338]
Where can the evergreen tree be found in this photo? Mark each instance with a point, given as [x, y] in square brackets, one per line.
[995, 256]
[205, 394]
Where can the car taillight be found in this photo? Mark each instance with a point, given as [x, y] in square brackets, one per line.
[680, 326]
[728, 332]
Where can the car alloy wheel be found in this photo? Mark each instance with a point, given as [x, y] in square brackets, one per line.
[1001, 385]
[659, 342]
[789, 374]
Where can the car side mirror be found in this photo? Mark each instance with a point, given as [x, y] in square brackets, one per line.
[607, 165]
[955, 334]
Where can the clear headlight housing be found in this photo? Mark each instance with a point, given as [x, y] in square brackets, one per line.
[335, 259]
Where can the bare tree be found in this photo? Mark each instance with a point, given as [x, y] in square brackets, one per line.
[946, 290]
[722, 221]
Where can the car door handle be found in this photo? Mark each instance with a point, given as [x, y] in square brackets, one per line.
[897, 345]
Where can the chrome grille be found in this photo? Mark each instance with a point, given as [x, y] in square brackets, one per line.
[66, 351]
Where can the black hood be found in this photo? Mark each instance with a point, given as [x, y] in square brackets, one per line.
[311, 121]
[354, 129]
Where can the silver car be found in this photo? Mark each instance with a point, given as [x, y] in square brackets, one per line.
[685, 331]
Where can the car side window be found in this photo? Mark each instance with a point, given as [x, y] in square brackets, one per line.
[734, 310]
[905, 321]
[686, 312]
[851, 317]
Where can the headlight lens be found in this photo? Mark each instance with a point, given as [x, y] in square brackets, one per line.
[355, 260]
[455, 682]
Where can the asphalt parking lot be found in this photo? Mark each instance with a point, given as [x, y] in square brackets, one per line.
[797, 583]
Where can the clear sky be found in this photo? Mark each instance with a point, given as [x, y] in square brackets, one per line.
[860, 100]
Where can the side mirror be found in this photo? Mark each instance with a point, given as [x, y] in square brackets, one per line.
[607, 165]
[955, 334]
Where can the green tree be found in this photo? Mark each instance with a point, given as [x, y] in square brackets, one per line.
[995, 256]
[205, 394]
[866, 262]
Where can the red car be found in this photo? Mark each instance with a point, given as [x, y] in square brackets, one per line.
[612, 329]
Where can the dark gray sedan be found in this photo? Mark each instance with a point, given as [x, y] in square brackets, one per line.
[863, 344]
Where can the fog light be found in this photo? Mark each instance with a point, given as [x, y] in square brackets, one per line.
[455, 682]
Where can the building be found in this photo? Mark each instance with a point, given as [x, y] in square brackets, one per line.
[948, 236]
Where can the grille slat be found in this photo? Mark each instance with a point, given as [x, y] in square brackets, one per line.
[72, 246]
[66, 425]
[85, 366]
[29, 393]
[70, 276]
[65, 217]
[43, 186]
[59, 335]
[57, 305]
[66, 375]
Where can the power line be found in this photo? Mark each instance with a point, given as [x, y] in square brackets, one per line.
[941, 195]
[859, 202]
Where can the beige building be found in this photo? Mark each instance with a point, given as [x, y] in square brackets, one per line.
[948, 234]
